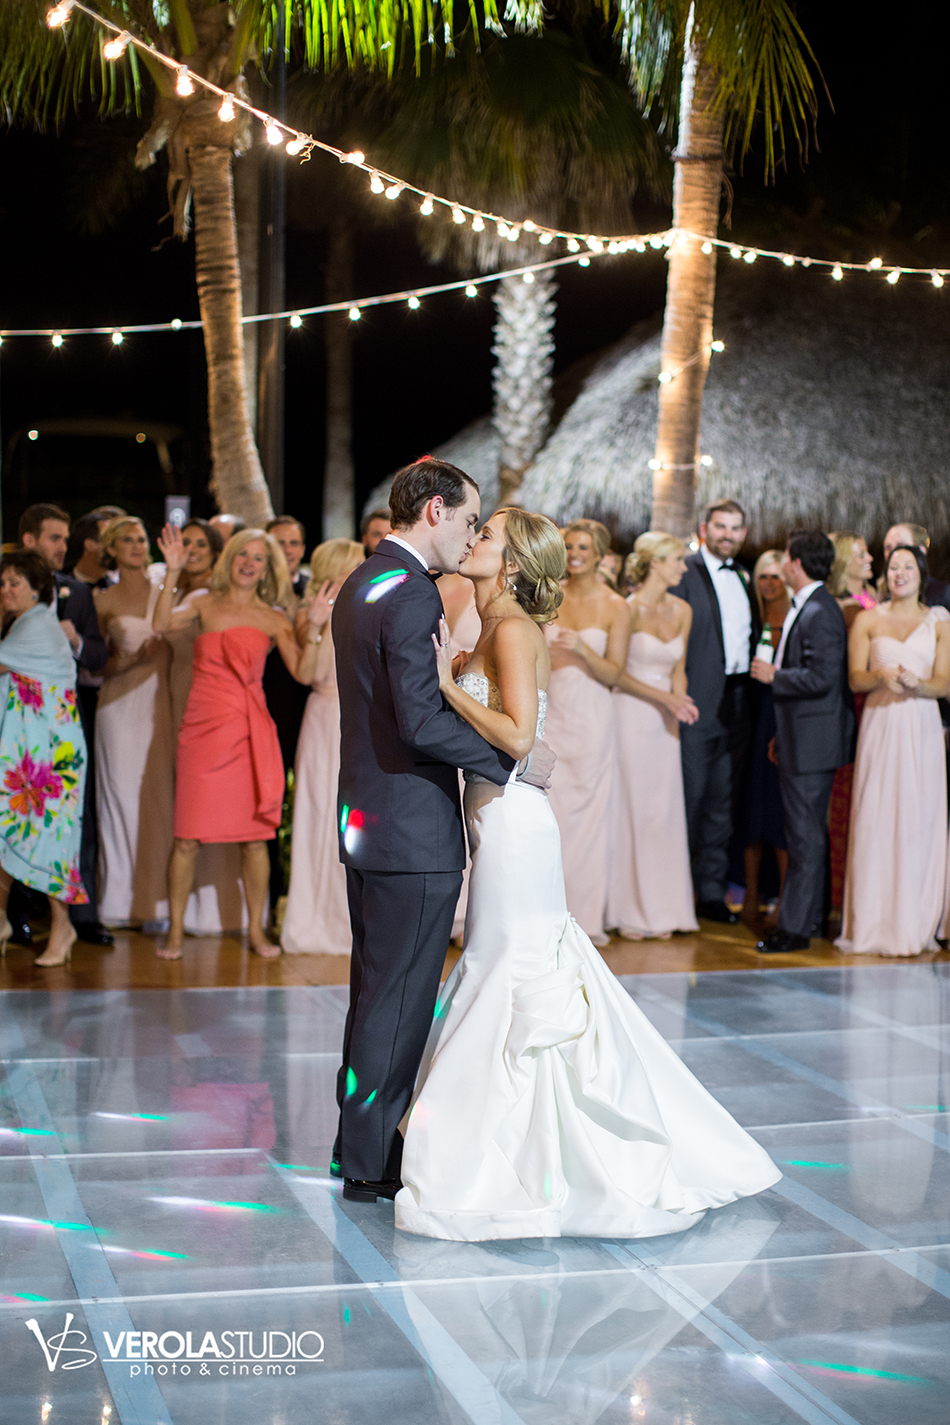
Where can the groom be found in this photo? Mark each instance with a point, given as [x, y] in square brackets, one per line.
[401, 836]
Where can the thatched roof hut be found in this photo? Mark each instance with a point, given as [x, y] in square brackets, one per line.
[828, 407]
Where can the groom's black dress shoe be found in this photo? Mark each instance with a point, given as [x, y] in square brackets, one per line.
[20, 932]
[782, 942]
[718, 911]
[355, 1190]
[90, 932]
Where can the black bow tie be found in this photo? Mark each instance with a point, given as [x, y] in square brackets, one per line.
[433, 575]
[728, 564]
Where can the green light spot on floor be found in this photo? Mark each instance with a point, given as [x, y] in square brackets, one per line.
[30, 1296]
[299, 1167]
[152, 1117]
[346, 1316]
[71, 1226]
[925, 1107]
[35, 1132]
[249, 1206]
[807, 1163]
[843, 1369]
[351, 1083]
[370, 1099]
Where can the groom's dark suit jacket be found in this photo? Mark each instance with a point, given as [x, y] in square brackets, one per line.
[814, 709]
[401, 744]
[705, 651]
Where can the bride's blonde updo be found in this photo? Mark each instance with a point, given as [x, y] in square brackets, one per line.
[655, 544]
[534, 543]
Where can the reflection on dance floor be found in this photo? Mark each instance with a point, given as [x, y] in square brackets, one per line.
[172, 1251]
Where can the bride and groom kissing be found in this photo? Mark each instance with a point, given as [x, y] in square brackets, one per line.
[544, 1103]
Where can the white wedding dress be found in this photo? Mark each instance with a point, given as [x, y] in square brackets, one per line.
[547, 1105]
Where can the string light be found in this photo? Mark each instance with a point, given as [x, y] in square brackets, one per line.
[414, 303]
[789, 260]
[471, 290]
[272, 133]
[393, 191]
[117, 338]
[936, 279]
[425, 207]
[57, 339]
[458, 216]
[717, 346]
[837, 274]
[184, 85]
[528, 278]
[749, 255]
[706, 248]
[376, 184]
[357, 157]
[226, 112]
[59, 14]
[875, 263]
[296, 145]
[583, 262]
[296, 320]
[893, 277]
[545, 238]
[665, 377]
[478, 223]
[115, 48]
[735, 252]
[355, 314]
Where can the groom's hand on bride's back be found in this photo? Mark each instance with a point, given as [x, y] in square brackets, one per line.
[536, 769]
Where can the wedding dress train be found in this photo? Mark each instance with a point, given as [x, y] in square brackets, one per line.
[547, 1105]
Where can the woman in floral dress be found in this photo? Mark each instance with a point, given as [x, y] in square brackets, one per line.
[42, 751]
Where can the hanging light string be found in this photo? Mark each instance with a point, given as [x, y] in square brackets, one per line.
[354, 307]
[301, 145]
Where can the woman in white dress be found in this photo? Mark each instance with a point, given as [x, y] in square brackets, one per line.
[588, 645]
[135, 750]
[649, 887]
[317, 920]
[547, 1104]
[896, 876]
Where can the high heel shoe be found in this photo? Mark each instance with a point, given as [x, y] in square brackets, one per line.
[6, 933]
[46, 962]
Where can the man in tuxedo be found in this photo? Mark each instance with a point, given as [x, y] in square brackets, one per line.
[45, 528]
[374, 526]
[814, 728]
[401, 832]
[726, 627]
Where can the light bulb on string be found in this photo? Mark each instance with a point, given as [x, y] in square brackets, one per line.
[936, 279]
[717, 346]
[706, 248]
[528, 278]
[655, 464]
[502, 229]
[226, 111]
[665, 377]
[513, 234]
[583, 262]
[357, 157]
[355, 314]
[414, 303]
[458, 217]
[425, 207]
[705, 460]
[376, 184]
[735, 252]
[184, 84]
[296, 145]
[175, 324]
[656, 241]
[59, 14]
[749, 256]
[393, 191]
[296, 320]
[272, 132]
[478, 223]
[875, 263]
[57, 339]
[117, 338]
[116, 47]
[806, 262]
[471, 290]
[529, 226]
[573, 245]
[546, 238]
[788, 260]
[837, 274]
[893, 276]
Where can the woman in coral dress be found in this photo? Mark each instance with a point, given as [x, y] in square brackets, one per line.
[230, 774]
[895, 882]
[135, 749]
[649, 887]
[588, 645]
[42, 752]
[317, 919]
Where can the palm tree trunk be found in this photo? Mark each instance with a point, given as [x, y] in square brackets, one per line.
[523, 375]
[690, 293]
[338, 483]
[236, 476]
[247, 182]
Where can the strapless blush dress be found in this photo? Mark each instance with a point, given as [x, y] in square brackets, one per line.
[230, 774]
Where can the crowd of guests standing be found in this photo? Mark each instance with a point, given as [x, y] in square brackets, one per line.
[152, 714]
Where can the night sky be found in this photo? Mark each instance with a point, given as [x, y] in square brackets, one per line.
[879, 184]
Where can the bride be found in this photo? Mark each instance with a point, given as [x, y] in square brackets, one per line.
[547, 1105]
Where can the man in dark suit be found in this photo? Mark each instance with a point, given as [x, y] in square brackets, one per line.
[401, 832]
[45, 528]
[814, 728]
[725, 630]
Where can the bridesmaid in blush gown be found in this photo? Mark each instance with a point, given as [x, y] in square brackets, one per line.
[588, 645]
[134, 739]
[230, 774]
[317, 919]
[896, 877]
[649, 888]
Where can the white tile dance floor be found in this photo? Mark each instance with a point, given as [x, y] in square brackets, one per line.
[172, 1251]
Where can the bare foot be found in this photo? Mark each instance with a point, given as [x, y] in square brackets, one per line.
[168, 952]
[265, 949]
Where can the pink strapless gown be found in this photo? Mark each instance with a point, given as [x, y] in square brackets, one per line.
[895, 882]
[230, 774]
[649, 889]
[579, 731]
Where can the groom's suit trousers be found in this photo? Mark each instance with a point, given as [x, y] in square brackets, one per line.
[402, 923]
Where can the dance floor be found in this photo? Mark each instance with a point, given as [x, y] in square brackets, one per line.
[173, 1252]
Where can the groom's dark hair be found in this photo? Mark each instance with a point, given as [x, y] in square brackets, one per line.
[415, 485]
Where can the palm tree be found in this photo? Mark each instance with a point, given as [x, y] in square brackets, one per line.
[542, 127]
[718, 67]
[46, 74]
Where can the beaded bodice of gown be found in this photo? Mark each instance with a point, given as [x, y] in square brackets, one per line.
[652, 660]
[484, 691]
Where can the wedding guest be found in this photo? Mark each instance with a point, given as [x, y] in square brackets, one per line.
[84, 552]
[134, 740]
[42, 752]
[610, 568]
[649, 889]
[588, 643]
[914, 536]
[374, 527]
[899, 655]
[227, 525]
[45, 528]
[814, 722]
[850, 577]
[765, 816]
[292, 538]
[317, 920]
[230, 775]
[716, 748]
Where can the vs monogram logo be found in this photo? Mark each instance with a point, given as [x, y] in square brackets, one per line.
[56, 1346]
